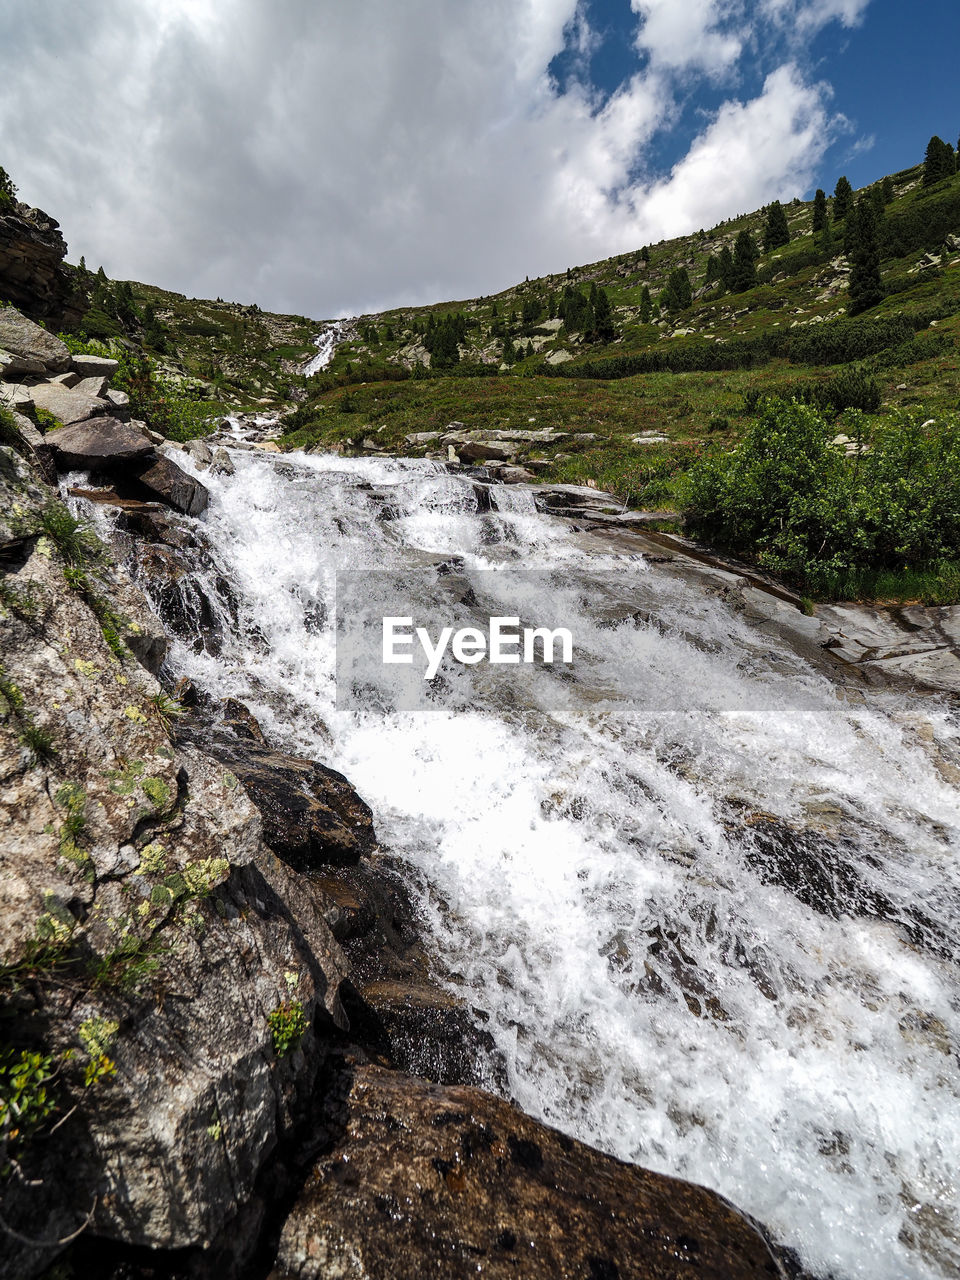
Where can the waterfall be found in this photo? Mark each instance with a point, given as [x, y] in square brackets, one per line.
[326, 342]
[706, 897]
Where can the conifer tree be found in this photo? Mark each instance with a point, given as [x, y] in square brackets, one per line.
[726, 267]
[887, 188]
[713, 270]
[645, 254]
[646, 305]
[939, 161]
[677, 295]
[603, 325]
[842, 199]
[776, 232]
[866, 285]
[8, 192]
[819, 210]
[744, 262]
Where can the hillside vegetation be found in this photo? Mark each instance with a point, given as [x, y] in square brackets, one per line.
[653, 362]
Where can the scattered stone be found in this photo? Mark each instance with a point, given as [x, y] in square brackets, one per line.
[119, 399]
[67, 403]
[559, 357]
[267, 446]
[515, 475]
[199, 451]
[15, 397]
[485, 451]
[95, 366]
[422, 437]
[66, 379]
[222, 464]
[98, 444]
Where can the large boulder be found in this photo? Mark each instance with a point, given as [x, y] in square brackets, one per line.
[427, 1180]
[21, 337]
[69, 404]
[161, 478]
[311, 814]
[99, 444]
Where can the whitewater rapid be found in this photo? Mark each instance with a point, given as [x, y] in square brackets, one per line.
[616, 866]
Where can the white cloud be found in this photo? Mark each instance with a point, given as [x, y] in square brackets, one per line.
[808, 16]
[328, 158]
[752, 153]
[692, 34]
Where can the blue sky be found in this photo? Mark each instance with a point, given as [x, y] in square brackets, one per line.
[894, 76]
[330, 159]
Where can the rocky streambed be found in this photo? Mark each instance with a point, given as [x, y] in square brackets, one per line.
[228, 1045]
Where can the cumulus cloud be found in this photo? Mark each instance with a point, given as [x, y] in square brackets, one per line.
[694, 34]
[327, 158]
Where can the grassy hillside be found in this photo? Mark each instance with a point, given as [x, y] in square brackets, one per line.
[693, 375]
[655, 370]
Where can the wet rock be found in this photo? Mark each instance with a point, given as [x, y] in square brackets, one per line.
[397, 1008]
[222, 464]
[199, 451]
[98, 444]
[425, 1180]
[163, 479]
[21, 337]
[311, 814]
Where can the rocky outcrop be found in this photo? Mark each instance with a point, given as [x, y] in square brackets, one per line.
[32, 274]
[423, 1180]
[170, 972]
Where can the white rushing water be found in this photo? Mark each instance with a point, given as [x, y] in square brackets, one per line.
[709, 905]
[326, 342]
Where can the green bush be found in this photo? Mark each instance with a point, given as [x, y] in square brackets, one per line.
[287, 1024]
[789, 499]
[850, 388]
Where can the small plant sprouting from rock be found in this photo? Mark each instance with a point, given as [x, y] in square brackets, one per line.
[73, 799]
[27, 1098]
[165, 710]
[38, 743]
[287, 1024]
[110, 621]
[75, 541]
[20, 600]
[96, 1036]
